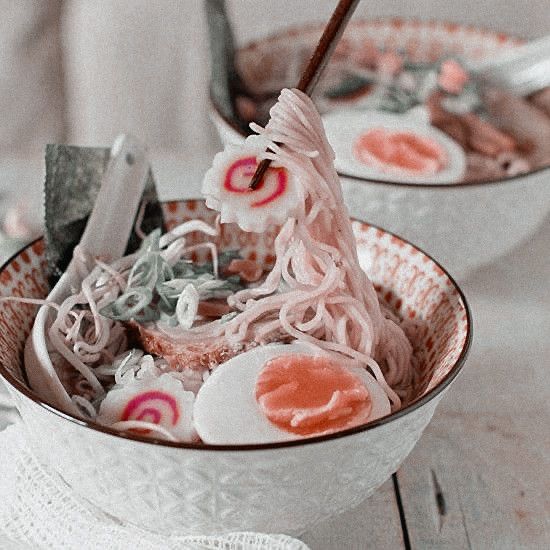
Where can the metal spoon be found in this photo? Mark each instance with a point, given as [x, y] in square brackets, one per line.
[106, 236]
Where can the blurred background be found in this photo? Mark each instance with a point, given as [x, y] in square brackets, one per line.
[81, 71]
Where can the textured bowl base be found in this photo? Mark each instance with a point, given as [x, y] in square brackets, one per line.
[462, 227]
[170, 490]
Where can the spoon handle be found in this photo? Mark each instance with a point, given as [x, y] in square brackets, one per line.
[105, 236]
[111, 220]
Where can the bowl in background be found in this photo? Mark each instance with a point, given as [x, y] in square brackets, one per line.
[284, 487]
[464, 225]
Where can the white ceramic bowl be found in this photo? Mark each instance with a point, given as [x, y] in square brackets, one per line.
[288, 487]
[463, 225]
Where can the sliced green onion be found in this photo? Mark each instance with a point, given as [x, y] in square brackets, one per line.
[187, 306]
[129, 305]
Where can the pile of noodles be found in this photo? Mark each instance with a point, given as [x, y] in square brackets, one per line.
[315, 293]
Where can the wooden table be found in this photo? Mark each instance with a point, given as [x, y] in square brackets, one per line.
[480, 475]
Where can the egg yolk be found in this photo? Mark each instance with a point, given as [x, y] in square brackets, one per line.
[402, 150]
[309, 395]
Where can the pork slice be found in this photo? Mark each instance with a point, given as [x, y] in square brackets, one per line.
[207, 353]
[202, 354]
[522, 119]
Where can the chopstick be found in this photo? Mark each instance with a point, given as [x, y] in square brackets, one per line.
[330, 37]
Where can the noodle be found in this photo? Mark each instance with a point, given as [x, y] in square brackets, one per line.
[326, 275]
[316, 293]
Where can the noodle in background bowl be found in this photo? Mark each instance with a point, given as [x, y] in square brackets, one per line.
[289, 487]
[464, 225]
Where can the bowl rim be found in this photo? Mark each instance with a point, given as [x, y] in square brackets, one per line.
[426, 398]
[381, 20]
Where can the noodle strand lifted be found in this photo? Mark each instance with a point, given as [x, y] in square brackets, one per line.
[317, 291]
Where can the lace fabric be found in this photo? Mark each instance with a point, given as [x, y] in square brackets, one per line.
[39, 511]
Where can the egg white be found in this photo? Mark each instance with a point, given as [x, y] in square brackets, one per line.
[343, 128]
[226, 412]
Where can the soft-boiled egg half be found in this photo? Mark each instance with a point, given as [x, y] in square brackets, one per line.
[389, 146]
[281, 392]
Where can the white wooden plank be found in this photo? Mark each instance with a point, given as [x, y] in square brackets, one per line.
[374, 524]
[480, 476]
[487, 492]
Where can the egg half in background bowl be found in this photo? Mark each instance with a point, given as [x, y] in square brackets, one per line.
[467, 209]
[285, 486]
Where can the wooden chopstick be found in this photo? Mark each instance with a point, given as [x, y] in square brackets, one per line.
[336, 25]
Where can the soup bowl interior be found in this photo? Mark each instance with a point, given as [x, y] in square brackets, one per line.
[460, 224]
[190, 488]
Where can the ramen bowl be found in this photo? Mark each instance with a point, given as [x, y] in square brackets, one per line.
[465, 225]
[282, 487]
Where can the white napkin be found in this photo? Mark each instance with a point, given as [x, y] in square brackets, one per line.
[38, 511]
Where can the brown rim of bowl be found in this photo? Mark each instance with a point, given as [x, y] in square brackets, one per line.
[234, 125]
[449, 377]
